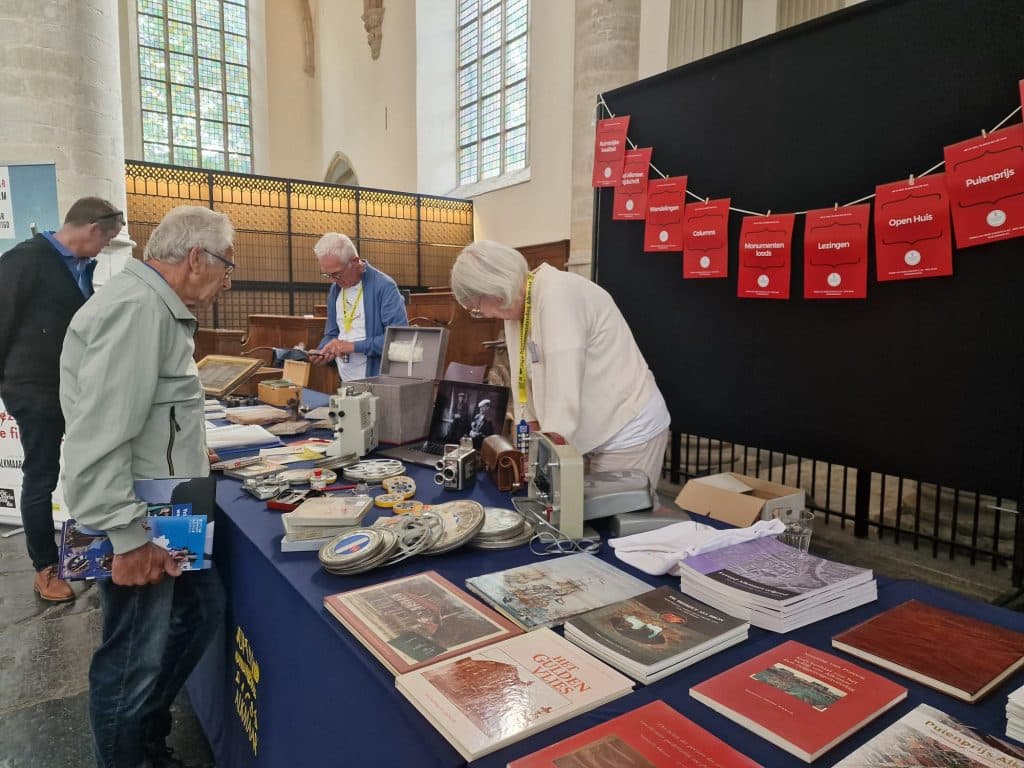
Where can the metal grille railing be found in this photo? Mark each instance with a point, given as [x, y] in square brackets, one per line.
[413, 238]
[952, 522]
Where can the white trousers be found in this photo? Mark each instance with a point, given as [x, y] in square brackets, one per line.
[648, 457]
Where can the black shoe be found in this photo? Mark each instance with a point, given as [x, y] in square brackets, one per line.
[164, 757]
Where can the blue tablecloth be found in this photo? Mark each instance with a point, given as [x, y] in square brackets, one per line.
[289, 686]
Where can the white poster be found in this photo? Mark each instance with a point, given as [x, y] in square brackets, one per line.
[11, 458]
[6, 206]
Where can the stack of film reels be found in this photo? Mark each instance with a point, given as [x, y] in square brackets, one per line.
[503, 529]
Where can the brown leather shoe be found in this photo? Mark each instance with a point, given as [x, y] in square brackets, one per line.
[52, 588]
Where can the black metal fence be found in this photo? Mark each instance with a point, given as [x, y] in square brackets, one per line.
[414, 238]
[951, 522]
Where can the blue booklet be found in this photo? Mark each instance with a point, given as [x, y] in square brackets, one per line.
[179, 518]
[88, 554]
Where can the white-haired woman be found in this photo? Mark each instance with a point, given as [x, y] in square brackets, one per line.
[576, 369]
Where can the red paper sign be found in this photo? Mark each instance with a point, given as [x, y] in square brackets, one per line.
[985, 181]
[706, 239]
[836, 253]
[609, 150]
[912, 237]
[765, 256]
[631, 192]
[664, 227]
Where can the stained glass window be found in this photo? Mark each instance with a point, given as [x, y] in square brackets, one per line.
[491, 88]
[194, 82]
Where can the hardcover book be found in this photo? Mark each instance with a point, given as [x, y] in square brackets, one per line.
[328, 510]
[489, 698]
[546, 593]
[411, 622]
[799, 698]
[654, 631]
[651, 736]
[903, 639]
[926, 737]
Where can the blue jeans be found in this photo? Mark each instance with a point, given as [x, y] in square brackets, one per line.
[42, 429]
[153, 637]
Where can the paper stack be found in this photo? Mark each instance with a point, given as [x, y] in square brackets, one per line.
[1015, 714]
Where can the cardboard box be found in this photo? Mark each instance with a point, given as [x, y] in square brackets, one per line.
[412, 363]
[737, 499]
[297, 373]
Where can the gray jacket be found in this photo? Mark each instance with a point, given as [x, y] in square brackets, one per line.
[132, 401]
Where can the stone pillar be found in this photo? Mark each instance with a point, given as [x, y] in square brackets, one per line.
[792, 12]
[698, 28]
[606, 55]
[60, 101]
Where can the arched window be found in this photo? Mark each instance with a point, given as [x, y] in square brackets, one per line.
[194, 83]
[491, 90]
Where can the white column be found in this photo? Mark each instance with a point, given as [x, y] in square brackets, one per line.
[792, 12]
[606, 55]
[698, 28]
[60, 101]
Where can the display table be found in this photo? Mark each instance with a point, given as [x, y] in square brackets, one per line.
[289, 686]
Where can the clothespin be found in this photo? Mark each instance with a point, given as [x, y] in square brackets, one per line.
[911, 179]
[984, 133]
[835, 206]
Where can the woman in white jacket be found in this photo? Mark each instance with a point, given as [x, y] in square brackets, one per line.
[576, 369]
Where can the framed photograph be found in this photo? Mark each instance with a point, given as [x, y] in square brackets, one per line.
[220, 375]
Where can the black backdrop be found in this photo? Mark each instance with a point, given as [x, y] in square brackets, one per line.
[924, 378]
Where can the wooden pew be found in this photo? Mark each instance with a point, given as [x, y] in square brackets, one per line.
[287, 331]
[218, 341]
[466, 333]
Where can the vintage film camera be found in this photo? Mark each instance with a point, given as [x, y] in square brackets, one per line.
[456, 471]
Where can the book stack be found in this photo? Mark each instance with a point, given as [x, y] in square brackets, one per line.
[318, 520]
[926, 736]
[775, 586]
[651, 736]
[1015, 714]
[414, 621]
[486, 699]
[652, 635]
[547, 593]
[904, 639]
[803, 700]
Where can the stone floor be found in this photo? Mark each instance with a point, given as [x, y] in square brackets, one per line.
[45, 648]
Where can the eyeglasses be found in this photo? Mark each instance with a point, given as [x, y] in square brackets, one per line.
[340, 273]
[229, 266]
[111, 215]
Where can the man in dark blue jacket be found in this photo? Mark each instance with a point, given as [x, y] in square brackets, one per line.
[361, 304]
[43, 282]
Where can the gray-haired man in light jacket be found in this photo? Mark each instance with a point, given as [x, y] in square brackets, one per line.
[133, 405]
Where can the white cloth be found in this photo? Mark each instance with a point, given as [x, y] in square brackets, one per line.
[589, 378]
[650, 423]
[658, 552]
[355, 367]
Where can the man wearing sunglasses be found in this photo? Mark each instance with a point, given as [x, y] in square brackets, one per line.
[361, 304]
[133, 403]
[43, 282]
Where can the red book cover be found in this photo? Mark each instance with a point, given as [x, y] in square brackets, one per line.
[912, 231]
[799, 698]
[631, 192]
[765, 256]
[836, 253]
[903, 639]
[651, 736]
[609, 150]
[706, 239]
[985, 181]
[665, 201]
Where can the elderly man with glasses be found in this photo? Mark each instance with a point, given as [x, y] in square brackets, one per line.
[361, 304]
[133, 403]
[43, 282]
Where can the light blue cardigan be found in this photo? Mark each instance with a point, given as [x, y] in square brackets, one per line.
[383, 305]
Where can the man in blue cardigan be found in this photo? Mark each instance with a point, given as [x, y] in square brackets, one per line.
[361, 304]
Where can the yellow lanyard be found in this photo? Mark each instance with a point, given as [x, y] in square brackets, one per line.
[348, 314]
[524, 335]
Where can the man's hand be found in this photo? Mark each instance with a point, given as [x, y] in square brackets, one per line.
[147, 564]
[330, 350]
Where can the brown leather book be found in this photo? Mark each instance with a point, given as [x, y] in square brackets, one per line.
[961, 656]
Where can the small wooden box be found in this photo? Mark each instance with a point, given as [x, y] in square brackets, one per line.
[295, 371]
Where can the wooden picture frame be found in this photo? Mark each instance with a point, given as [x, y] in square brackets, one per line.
[220, 375]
